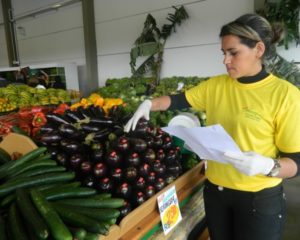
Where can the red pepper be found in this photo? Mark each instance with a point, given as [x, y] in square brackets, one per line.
[61, 108]
[39, 119]
[36, 109]
[25, 127]
[35, 132]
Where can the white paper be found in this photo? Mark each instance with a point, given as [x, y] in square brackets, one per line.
[207, 142]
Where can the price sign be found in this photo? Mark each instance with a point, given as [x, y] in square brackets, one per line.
[169, 209]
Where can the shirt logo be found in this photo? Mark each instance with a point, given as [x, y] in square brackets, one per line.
[251, 114]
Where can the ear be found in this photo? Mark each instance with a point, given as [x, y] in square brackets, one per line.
[260, 49]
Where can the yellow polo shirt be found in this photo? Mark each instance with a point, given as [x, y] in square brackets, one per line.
[263, 117]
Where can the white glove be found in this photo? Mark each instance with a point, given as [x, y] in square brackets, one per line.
[142, 111]
[250, 163]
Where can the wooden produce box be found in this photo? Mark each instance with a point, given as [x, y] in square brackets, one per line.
[14, 142]
[142, 219]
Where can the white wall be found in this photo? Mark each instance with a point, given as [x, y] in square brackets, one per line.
[57, 36]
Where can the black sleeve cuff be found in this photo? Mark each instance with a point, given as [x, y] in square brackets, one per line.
[295, 157]
[178, 102]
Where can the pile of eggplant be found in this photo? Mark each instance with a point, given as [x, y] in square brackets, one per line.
[133, 166]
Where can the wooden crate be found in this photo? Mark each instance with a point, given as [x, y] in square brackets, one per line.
[142, 219]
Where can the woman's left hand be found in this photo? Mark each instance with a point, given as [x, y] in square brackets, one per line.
[250, 163]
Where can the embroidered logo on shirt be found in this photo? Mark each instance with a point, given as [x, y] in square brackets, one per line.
[252, 114]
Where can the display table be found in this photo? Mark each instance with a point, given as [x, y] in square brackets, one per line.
[142, 219]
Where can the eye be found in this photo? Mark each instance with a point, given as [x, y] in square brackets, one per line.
[233, 53]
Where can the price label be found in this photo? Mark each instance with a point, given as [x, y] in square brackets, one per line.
[169, 209]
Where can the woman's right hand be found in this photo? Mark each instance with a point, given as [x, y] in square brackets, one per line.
[142, 111]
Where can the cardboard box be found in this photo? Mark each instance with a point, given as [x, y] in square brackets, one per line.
[14, 142]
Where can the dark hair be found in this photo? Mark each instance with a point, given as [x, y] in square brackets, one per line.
[252, 28]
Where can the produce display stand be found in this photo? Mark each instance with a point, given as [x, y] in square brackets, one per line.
[142, 219]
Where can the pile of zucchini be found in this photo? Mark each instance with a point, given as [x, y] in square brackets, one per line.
[40, 200]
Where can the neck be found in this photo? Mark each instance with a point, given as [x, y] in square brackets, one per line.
[255, 78]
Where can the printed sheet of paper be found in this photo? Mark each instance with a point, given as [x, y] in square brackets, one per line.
[207, 142]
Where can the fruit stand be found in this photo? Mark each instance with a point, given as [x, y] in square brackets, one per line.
[98, 166]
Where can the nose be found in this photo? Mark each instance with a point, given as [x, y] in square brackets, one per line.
[226, 59]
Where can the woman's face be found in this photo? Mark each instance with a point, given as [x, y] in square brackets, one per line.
[239, 59]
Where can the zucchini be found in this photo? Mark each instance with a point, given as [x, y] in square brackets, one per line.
[48, 178]
[101, 214]
[41, 170]
[101, 196]
[94, 203]
[4, 156]
[2, 229]
[31, 215]
[57, 227]
[9, 166]
[7, 200]
[78, 220]
[70, 192]
[15, 224]
[91, 236]
[78, 233]
[28, 166]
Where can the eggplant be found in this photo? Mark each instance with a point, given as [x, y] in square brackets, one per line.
[53, 151]
[100, 170]
[123, 144]
[62, 159]
[57, 118]
[160, 154]
[102, 121]
[171, 157]
[151, 177]
[71, 146]
[116, 174]
[169, 178]
[138, 144]
[117, 130]
[149, 191]
[67, 130]
[157, 142]
[113, 158]
[149, 140]
[149, 156]
[97, 111]
[125, 210]
[49, 138]
[98, 136]
[167, 142]
[47, 128]
[86, 168]
[130, 174]
[133, 159]
[175, 169]
[159, 169]
[139, 198]
[104, 185]
[85, 112]
[140, 183]
[159, 184]
[90, 127]
[74, 116]
[89, 181]
[124, 190]
[144, 169]
[97, 155]
[75, 161]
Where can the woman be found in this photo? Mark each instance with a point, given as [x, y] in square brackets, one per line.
[244, 199]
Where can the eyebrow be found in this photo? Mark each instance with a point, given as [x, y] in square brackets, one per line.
[229, 49]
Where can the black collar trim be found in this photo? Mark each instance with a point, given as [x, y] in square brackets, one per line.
[252, 79]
